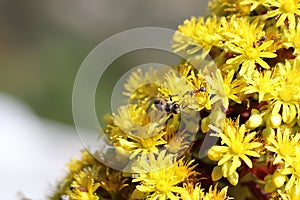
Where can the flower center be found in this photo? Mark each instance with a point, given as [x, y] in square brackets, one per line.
[147, 143]
[237, 147]
[286, 94]
[285, 149]
[287, 6]
[162, 186]
[251, 53]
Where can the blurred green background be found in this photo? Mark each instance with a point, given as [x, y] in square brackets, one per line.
[42, 44]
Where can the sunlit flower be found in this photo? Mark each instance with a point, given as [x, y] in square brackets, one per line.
[153, 161]
[143, 139]
[141, 86]
[200, 92]
[293, 41]
[88, 193]
[250, 55]
[237, 144]
[284, 10]
[179, 88]
[253, 3]
[229, 7]
[125, 120]
[197, 35]
[83, 187]
[225, 88]
[288, 93]
[234, 97]
[174, 84]
[284, 146]
[263, 83]
[247, 41]
[177, 143]
[292, 173]
[163, 183]
[214, 194]
[288, 195]
[192, 192]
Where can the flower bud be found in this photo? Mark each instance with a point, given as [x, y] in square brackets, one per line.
[254, 111]
[214, 154]
[254, 121]
[269, 187]
[278, 179]
[274, 120]
[268, 132]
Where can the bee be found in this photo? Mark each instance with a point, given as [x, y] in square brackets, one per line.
[168, 106]
[173, 107]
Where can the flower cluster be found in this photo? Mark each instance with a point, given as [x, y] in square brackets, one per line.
[235, 97]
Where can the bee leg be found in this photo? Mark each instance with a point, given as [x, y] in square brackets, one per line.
[172, 95]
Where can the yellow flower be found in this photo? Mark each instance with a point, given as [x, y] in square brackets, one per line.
[253, 3]
[228, 7]
[80, 193]
[197, 34]
[282, 10]
[248, 40]
[283, 145]
[214, 194]
[153, 161]
[174, 84]
[143, 139]
[83, 186]
[224, 89]
[141, 88]
[264, 83]
[293, 173]
[202, 94]
[238, 146]
[250, 55]
[139, 79]
[124, 120]
[163, 183]
[179, 87]
[288, 93]
[177, 143]
[288, 195]
[192, 192]
[293, 36]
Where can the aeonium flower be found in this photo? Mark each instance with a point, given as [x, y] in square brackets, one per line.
[225, 88]
[284, 146]
[229, 7]
[143, 140]
[264, 83]
[237, 145]
[197, 35]
[195, 192]
[162, 183]
[292, 39]
[284, 10]
[287, 98]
